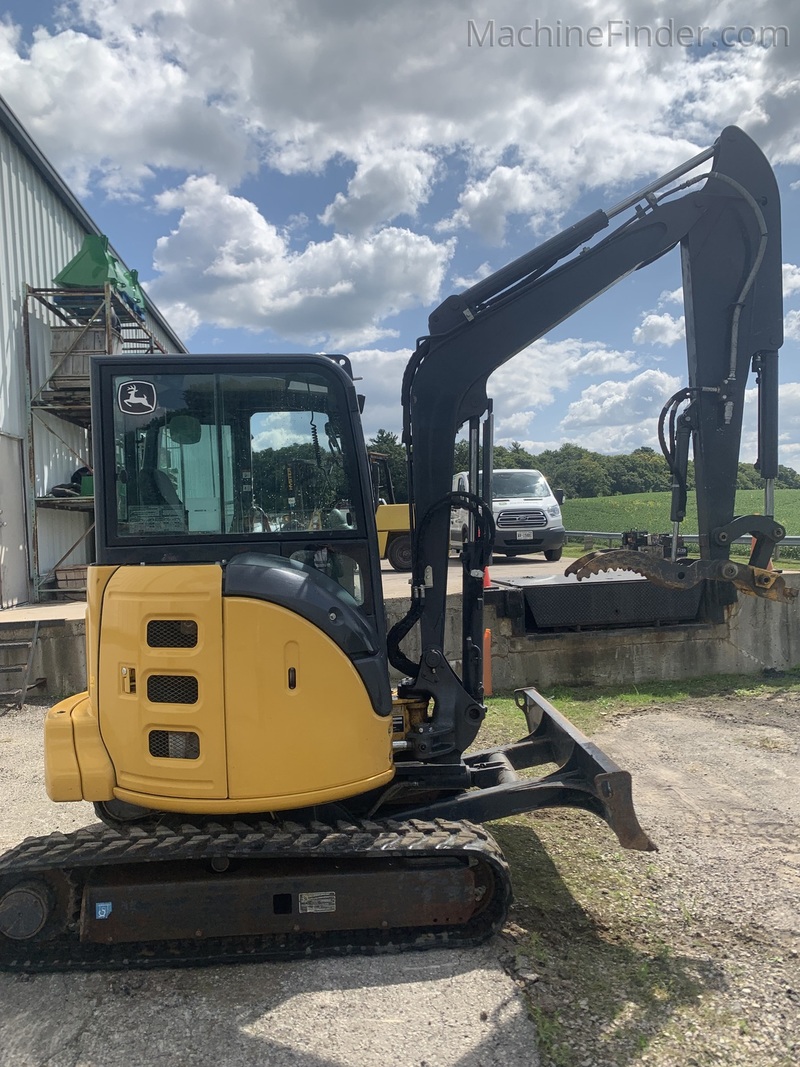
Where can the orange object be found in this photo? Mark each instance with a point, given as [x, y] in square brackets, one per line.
[487, 663]
[487, 581]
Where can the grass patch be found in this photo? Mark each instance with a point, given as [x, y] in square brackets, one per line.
[603, 944]
[607, 981]
[589, 707]
[650, 511]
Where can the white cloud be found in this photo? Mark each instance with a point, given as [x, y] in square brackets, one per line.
[791, 279]
[396, 183]
[521, 388]
[662, 329]
[533, 377]
[214, 87]
[111, 113]
[184, 320]
[530, 382]
[278, 430]
[378, 375]
[611, 414]
[674, 296]
[225, 263]
[467, 281]
[486, 205]
[177, 102]
[665, 329]
[618, 416]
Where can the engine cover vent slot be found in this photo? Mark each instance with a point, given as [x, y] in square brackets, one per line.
[172, 633]
[172, 689]
[174, 744]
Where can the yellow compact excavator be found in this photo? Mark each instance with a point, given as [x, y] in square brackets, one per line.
[263, 791]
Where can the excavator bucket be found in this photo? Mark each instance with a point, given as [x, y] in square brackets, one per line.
[686, 573]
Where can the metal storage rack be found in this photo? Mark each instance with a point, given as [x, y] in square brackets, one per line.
[82, 322]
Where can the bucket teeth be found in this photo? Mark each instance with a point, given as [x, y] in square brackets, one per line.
[684, 574]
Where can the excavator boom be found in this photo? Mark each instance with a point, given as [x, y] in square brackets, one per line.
[728, 230]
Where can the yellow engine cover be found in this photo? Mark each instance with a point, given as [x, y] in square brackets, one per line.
[212, 704]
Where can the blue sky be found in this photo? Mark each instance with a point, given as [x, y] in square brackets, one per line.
[308, 175]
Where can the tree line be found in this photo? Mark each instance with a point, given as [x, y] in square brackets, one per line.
[578, 471]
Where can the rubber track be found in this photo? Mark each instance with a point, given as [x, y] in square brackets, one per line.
[101, 846]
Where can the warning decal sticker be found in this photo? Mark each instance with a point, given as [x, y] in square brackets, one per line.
[316, 902]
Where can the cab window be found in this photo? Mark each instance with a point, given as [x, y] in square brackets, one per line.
[199, 455]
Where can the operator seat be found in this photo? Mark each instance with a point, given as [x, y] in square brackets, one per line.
[157, 489]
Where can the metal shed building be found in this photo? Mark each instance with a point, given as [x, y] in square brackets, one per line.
[42, 228]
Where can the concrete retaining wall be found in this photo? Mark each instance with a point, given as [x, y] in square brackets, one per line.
[756, 635]
[59, 657]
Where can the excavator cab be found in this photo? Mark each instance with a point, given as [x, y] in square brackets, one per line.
[235, 620]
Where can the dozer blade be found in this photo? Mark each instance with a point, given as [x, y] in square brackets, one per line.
[585, 778]
[179, 893]
[684, 574]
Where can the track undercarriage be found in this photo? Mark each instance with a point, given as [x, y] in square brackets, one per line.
[182, 893]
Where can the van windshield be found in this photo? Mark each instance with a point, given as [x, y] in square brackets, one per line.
[508, 483]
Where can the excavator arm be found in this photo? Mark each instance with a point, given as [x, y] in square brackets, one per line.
[727, 224]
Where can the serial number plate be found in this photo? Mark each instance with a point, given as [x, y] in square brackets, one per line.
[309, 903]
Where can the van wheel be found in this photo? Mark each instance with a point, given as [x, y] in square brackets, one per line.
[553, 554]
[399, 552]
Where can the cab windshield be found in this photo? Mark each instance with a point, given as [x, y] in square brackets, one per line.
[205, 454]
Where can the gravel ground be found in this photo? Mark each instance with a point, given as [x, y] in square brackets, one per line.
[422, 1009]
[688, 956]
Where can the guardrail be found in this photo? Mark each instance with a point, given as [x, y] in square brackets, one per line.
[688, 539]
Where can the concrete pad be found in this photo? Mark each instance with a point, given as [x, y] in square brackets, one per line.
[440, 1009]
[45, 612]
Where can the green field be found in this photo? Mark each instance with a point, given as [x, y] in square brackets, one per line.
[650, 511]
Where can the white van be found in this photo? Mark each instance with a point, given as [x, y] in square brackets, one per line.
[527, 515]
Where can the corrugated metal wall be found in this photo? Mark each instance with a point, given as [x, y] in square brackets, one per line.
[42, 228]
[38, 236]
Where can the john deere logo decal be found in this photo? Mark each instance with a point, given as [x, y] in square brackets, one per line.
[136, 398]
